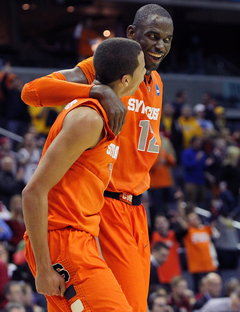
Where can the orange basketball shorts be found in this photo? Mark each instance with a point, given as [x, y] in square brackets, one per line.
[75, 253]
[124, 242]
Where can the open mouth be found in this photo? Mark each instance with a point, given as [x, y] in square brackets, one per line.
[155, 56]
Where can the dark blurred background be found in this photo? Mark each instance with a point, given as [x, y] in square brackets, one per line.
[45, 33]
[39, 36]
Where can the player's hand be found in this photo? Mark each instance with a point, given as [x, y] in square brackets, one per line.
[50, 283]
[113, 106]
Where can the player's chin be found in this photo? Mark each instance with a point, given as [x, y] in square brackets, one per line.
[152, 66]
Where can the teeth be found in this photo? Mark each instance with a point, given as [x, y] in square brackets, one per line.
[155, 55]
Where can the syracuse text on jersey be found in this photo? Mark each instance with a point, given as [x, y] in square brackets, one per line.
[139, 106]
[113, 150]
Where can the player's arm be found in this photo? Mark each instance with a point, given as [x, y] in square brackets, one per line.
[59, 88]
[82, 129]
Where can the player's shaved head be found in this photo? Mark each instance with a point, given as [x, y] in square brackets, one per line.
[145, 11]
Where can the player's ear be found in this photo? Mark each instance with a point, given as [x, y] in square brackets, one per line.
[125, 80]
[131, 31]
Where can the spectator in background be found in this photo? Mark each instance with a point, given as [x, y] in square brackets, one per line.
[42, 118]
[214, 163]
[200, 252]
[5, 214]
[181, 298]
[4, 256]
[158, 303]
[159, 255]
[29, 156]
[17, 116]
[230, 173]
[210, 103]
[14, 307]
[6, 150]
[13, 292]
[226, 304]
[230, 285]
[227, 135]
[87, 37]
[29, 300]
[167, 119]
[158, 291]
[5, 231]
[201, 288]
[199, 113]
[22, 273]
[220, 118]
[189, 125]
[228, 241]
[16, 223]
[162, 233]
[10, 182]
[194, 163]
[180, 100]
[5, 70]
[213, 288]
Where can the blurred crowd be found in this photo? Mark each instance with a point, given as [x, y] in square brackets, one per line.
[194, 209]
[192, 203]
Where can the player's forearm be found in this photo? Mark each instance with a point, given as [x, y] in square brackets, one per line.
[53, 90]
[35, 210]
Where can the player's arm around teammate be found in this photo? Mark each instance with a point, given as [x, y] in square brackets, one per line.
[55, 89]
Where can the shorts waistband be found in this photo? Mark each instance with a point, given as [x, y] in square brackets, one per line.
[125, 197]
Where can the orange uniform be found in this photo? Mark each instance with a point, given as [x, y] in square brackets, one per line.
[123, 233]
[201, 255]
[73, 221]
[171, 267]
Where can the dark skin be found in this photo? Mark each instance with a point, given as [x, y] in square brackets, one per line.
[155, 37]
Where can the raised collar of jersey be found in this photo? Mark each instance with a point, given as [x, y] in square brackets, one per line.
[147, 79]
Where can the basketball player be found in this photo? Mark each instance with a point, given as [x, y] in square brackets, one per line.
[61, 202]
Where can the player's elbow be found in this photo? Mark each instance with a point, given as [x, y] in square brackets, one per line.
[29, 95]
[31, 194]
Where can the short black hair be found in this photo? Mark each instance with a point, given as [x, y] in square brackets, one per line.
[145, 11]
[114, 58]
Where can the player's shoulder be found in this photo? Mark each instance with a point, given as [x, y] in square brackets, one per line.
[83, 121]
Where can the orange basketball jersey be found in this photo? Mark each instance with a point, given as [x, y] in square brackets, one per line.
[171, 267]
[201, 256]
[78, 197]
[139, 139]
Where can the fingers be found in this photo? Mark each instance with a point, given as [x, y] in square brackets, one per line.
[117, 121]
[62, 288]
[54, 286]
